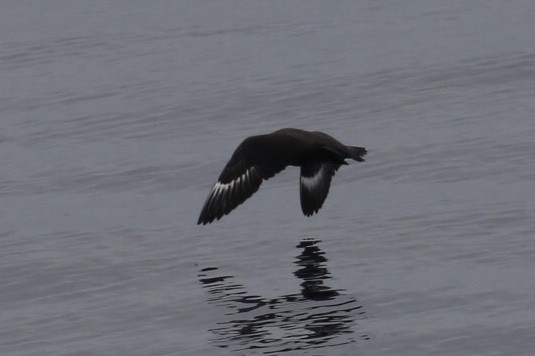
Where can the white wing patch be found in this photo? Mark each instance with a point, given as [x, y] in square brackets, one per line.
[221, 188]
[312, 182]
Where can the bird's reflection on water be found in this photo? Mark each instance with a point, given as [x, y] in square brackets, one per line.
[317, 317]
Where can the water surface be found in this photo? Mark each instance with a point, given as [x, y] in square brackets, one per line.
[116, 119]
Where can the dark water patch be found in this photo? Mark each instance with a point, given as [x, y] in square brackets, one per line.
[24, 54]
[319, 316]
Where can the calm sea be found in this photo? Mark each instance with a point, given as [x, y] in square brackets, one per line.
[117, 117]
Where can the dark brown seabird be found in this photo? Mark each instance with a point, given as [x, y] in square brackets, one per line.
[260, 157]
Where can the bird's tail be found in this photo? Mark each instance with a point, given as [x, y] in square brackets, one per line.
[357, 153]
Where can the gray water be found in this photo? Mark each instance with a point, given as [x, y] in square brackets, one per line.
[117, 117]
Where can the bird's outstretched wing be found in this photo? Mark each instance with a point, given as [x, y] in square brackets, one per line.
[314, 184]
[254, 160]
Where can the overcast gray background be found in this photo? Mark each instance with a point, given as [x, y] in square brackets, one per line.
[116, 118]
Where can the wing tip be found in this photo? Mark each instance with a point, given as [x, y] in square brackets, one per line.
[203, 221]
[310, 213]
[204, 218]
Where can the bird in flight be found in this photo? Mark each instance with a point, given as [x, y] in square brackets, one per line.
[259, 158]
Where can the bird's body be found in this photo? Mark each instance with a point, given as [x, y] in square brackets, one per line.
[260, 157]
